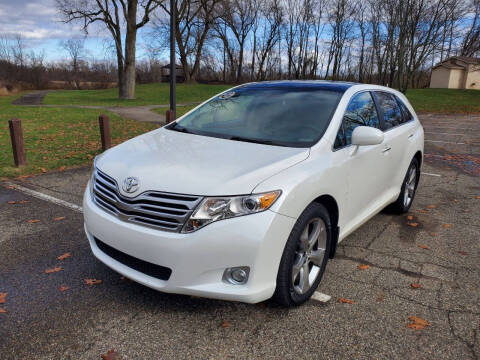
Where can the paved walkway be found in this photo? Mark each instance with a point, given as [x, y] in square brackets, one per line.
[138, 113]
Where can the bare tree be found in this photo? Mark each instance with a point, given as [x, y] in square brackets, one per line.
[471, 41]
[113, 14]
[74, 49]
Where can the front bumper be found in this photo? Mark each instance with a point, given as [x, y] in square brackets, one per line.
[197, 259]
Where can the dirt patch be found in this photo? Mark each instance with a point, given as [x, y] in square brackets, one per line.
[34, 98]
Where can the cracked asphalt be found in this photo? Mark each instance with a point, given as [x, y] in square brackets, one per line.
[84, 322]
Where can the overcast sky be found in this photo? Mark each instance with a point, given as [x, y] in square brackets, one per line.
[39, 23]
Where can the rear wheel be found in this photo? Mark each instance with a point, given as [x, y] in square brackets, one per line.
[305, 257]
[408, 190]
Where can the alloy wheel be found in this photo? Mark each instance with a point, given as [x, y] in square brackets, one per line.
[410, 184]
[309, 255]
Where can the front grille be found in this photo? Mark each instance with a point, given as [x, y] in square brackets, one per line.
[164, 211]
[156, 271]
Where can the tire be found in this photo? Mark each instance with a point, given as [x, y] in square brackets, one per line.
[408, 190]
[304, 250]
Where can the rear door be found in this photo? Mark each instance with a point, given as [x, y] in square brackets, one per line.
[398, 126]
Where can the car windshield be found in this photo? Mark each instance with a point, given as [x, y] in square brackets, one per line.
[285, 116]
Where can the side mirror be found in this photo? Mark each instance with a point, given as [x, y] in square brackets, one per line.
[366, 135]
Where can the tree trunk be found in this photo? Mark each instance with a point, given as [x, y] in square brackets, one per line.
[127, 91]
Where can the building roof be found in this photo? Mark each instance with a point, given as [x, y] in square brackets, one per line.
[457, 62]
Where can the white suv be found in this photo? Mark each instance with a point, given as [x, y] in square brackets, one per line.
[247, 196]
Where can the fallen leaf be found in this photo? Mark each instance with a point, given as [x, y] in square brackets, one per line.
[33, 221]
[59, 218]
[447, 226]
[416, 326]
[415, 285]
[455, 200]
[380, 297]
[64, 256]
[11, 202]
[43, 170]
[363, 267]
[413, 224]
[477, 197]
[23, 201]
[92, 281]
[464, 253]
[409, 217]
[433, 234]
[110, 355]
[3, 311]
[422, 211]
[422, 246]
[3, 297]
[431, 206]
[345, 301]
[11, 187]
[417, 320]
[53, 270]
[64, 288]
[225, 324]
[61, 168]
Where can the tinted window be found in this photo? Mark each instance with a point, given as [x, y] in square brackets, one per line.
[407, 115]
[361, 111]
[392, 116]
[279, 116]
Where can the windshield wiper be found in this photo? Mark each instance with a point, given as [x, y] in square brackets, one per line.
[239, 138]
[175, 127]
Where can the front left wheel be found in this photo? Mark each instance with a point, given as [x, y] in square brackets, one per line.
[305, 257]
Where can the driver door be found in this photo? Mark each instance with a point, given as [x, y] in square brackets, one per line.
[365, 168]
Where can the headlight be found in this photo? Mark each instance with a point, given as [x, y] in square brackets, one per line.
[218, 208]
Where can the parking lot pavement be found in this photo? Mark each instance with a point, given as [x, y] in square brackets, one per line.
[436, 246]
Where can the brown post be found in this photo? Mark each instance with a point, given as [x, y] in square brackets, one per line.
[169, 116]
[16, 135]
[104, 123]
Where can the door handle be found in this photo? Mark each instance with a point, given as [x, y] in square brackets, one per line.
[410, 136]
[388, 148]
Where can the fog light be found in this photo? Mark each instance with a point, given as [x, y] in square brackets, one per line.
[236, 275]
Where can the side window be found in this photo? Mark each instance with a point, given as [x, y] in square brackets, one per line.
[392, 115]
[361, 111]
[407, 115]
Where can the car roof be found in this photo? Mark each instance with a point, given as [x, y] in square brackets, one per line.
[339, 86]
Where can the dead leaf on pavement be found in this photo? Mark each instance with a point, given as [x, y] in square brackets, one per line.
[380, 297]
[433, 234]
[422, 211]
[53, 270]
[11, 187]
[409, 217]
[64, 256]
[59, 218]
[345, 301]
[363, 267]
[455, 200]
[3, 311]
[64, 288]
[413, 224]
[110, 355]
[415, 285]
[92, 281]
[447, 226]
[477, 197]
[33, 221]
[464, 253]
[11, 202]
[431, 206]
[23, 201]
[225, 324]
[61, 168]
[3, 297]
[417, 323]
[422, 246]
[43, 170]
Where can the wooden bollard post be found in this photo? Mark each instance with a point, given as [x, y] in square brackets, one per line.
[16, 135]
[104, 123]
[169, 116]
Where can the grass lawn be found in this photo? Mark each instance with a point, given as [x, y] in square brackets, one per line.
[444, 100]
[146, 94]
[58, 137]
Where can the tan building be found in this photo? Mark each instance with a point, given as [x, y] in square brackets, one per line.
[458, 72]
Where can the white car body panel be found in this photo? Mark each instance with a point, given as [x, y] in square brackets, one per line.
[361, 180]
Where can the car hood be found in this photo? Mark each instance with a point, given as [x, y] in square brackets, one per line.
[170, 161]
